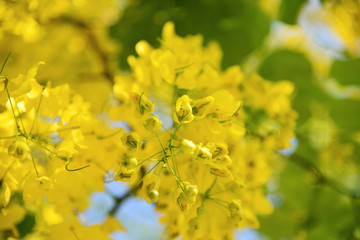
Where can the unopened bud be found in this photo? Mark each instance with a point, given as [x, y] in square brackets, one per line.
[129, 162]
[131, 141]
[225, 160]
[144, 105]
[235, 206]
[191, 190]
[201, 106]
[217, 149]
[183, 110]
[220, 171]
[153, 195]
[153, 124]
[203, 154]
[18, 149]
[187, 147]
[200, 211]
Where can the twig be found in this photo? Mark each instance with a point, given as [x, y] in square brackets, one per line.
[94, 43]
[320, 177]
[129, 193]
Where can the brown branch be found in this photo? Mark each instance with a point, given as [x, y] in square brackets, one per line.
[94, 43]
[133, 191]
[320, 177]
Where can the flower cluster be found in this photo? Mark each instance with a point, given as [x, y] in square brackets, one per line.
[207, 165]
[70, 36]
[52, 149]
[199, 141]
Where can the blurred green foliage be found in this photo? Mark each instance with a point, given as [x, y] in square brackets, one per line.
[239, 26]
[289, 10]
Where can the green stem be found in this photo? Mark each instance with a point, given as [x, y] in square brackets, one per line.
[158, 178]
[176, 177]
[58, 130]
[157, 136]
[37, 112]
[149, 158]
[50, 151]
[147, 174]
[110, 135]
[32, 159]
[14, 136]
[21, 121]
[7, 58]
[207, 193]
[320, 177]
[12, 108]
[76, 169]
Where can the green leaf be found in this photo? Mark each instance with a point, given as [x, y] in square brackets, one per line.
[346, 72]
[346, 114]
[26, 226]
[295, 67]
[289, 10]
[239, 26]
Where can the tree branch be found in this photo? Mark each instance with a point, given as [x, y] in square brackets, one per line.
[320, 177]
[133, 191]
[94, 43]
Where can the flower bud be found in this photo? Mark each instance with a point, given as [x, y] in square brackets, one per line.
[203, 154]
[131, 141]
[236, 217]
[129, 162]
[235, 206]
[194, 224]
[187, 147]
[149, 188]
[200, 211]
[191, 191]
[183, 110]
[220, 171]
[144, 105]
[188, 197]
[18, 149]
[225, 160]
[143, 48]
[153, 195]
[201, 106]
[125, 175]
[217, 149]
[153, 124]
[45, 182]
[183, 202]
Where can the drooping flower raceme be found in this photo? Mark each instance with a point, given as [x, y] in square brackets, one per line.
[207, 171]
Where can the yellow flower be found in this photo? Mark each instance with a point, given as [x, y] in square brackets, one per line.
[148, 191]
[153, 124]
[221, 171]
[131, 141]
[153, 195]
[18, 149]
[217, 150]
[34, 189]
[187, 147]
[125, 175]
[187, 197]
[223, 160]
[203, 154]
[11, 215]
[183, 110]
[236, 211]
[144, 105]
[127, 171]
[201, 106]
